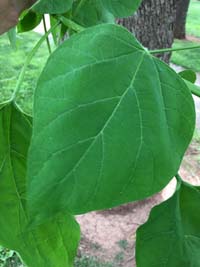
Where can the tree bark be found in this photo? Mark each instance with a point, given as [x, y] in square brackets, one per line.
[181, 15]
[153, 24]
[10, 11]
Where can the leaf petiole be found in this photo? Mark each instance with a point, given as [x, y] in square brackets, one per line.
[194, 89]
[178, 178]
[179, 181]
[164, 50]
[71, 24]
[47, 38]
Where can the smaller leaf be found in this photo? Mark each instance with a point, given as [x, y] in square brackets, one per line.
[28, 21]
[171, 236]
[98, 14]
[121, 8]
[52, 6]
[52, 244]
[188, 75]
[103, 11]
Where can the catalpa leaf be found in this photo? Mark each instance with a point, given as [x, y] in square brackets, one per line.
[97, 14]
[92, 12]
[28, 21]
[121, 8]
[52, 6]
[171, 236]
[53, 243]
[188, 75]
[111, 124]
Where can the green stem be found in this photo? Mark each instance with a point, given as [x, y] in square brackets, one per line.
[178, 177]
[71, 24]
[164, 50]
[47, 38]
[195, 91]
[179, 181]
[28, 60]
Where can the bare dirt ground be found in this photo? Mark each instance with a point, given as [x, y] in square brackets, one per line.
[192, 38]
[110, 234]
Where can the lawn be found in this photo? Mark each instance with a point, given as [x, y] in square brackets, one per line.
[189, 58]
[193, 18]
[11, 62]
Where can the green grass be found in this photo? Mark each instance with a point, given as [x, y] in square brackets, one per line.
[11, 62]
[193, 18]
[188, 58]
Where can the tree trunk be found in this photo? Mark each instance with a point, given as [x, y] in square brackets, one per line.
[153, 24]
[10, 11]
[181, 15]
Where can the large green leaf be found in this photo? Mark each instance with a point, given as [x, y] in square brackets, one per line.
[53, 243]
[111, 124]
[171, 236]
[92, 12]
[52, 6]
